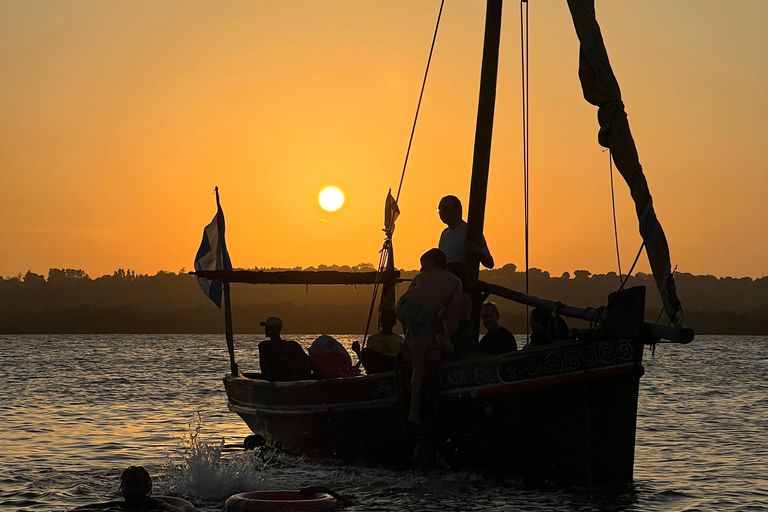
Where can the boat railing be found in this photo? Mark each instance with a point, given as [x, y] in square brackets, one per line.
[677, 333]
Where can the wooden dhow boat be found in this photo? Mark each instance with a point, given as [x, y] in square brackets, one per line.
[564, 412]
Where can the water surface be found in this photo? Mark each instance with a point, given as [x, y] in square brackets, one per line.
[77, 409]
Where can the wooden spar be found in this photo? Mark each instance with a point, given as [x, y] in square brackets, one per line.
[482, 151]
[229, 334]
[299, 277]
[678, 333]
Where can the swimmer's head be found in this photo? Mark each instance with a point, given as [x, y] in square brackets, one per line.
[135, 484]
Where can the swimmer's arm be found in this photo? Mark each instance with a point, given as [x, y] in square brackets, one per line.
[162, 505]
[99, 506]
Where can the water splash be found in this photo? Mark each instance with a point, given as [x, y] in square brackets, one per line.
[208, 473]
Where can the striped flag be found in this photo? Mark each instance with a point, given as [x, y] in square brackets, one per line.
[213, 254]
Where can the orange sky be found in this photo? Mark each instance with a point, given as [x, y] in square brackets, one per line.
[117, 119]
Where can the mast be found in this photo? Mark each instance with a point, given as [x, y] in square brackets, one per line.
[482, 152]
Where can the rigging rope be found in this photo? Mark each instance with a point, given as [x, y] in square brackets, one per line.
[418, 106]
[524, 71]
[613, 205]
[388, 229]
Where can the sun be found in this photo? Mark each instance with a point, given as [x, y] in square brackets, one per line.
[331, 199]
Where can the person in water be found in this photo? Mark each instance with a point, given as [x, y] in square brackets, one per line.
[136, 489]
[453, 239]
[498, 340]
[282, 360]
[433, 289]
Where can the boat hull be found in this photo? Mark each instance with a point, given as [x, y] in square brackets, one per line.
[566, 412]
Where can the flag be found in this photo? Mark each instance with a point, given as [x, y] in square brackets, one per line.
[391, 212]
[213, 254]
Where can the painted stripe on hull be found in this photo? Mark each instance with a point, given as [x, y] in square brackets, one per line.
[558, 380]
[368, 405]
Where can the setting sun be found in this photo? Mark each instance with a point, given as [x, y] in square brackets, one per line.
[331, 199]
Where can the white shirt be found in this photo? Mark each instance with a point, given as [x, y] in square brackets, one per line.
[452, 243]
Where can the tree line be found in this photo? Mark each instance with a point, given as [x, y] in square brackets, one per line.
[70, 301]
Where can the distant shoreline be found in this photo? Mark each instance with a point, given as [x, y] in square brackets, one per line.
[67, 301]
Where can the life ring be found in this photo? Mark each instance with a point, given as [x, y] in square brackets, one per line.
[268, 501]
[179, 504]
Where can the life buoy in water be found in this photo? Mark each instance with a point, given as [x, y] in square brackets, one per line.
[179, 504]
[268, 501]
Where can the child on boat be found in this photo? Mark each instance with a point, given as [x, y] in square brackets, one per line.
[432, 290]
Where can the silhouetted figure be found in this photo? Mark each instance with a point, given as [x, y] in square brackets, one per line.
[546, 329]
[463, 344]
[433, 289]
[329, 359]
[453, 239]
[136, 489]
[539, 321]
[498, 340]
[280, 359]
[382, 349]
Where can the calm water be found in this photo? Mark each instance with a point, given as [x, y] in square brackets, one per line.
[78, 409]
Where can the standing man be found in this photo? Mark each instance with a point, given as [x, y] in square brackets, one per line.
[453, 240]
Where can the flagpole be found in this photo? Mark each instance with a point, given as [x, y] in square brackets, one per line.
[227, 306]
[230, 337]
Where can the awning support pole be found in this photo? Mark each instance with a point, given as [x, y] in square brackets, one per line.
[230, 337]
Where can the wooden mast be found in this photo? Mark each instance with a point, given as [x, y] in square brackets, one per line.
[482, 152]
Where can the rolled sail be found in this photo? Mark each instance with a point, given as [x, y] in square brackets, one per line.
[602, 90]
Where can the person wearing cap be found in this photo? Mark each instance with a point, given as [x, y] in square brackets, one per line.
[281, 359]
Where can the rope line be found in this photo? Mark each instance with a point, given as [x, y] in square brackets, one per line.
[613, 206]
[418, 106]
[388, 229]
[526, 123]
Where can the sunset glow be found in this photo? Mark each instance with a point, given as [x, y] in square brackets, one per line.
[119, 119]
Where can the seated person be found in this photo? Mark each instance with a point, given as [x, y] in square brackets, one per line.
[282, 360]
[539, 321]
[463, 343]
[329, 359]
[382, 348]
[497, 340]
[546, 329]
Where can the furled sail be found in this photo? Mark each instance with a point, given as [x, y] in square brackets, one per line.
[602, 90]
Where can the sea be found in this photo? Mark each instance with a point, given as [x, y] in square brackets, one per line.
[77, 409]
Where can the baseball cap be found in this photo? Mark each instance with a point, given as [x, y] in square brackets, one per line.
[273, 320]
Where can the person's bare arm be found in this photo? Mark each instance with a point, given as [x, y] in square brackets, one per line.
[476, 249]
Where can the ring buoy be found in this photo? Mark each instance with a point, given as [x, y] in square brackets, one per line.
[181, 505]
[281, 500]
